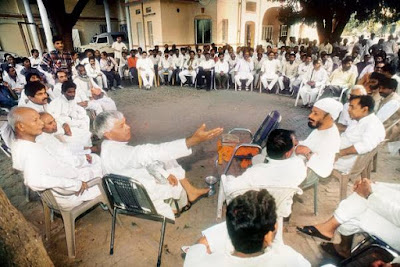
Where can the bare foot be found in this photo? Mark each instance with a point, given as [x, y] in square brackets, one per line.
[196, 193]
[324, 231]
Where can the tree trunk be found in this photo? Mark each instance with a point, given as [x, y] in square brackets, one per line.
[339, 28]
[20, 245]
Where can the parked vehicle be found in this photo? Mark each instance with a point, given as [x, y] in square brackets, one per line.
[103, 42]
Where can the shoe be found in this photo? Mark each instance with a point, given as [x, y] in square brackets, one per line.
[247, 88]
[120, 87]
[148, 87]
[111, 89]
[239, 89]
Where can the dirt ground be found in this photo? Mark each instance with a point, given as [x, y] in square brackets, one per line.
[165, 114]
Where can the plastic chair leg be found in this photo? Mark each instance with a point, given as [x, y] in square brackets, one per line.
[316, 198]
[69, 227]
[47, 220]
[343, 186]
[160, 248]
[113, 231]
[27, 194]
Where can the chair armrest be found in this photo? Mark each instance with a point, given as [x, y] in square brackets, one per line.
[241, 130]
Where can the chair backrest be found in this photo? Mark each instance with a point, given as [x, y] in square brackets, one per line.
[48, 198]
[363, 160]
[127, 194]
[270, 123]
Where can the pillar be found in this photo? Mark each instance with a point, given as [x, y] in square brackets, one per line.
[46, 25]
[107, 13]
[128, 24]
[32, 26]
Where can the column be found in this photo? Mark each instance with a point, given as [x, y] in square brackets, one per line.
[107, 13]
[46, 26]
[128, 23]
[32, 26]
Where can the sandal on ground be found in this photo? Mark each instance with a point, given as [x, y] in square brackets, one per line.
[312, 231]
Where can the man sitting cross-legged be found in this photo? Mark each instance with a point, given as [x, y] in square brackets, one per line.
[373, 208]
[40, 168]
[155, 166]
[321, 146]
[71, 154]
[247, 238]
[362, 136]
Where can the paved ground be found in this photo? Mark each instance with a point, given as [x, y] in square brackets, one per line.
[165, 114]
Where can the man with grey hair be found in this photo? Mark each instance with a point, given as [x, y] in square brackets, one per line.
[154, 166]
[41, 170]
[344, 119]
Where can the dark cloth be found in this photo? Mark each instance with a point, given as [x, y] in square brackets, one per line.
[175, 74]
[334, 91]
[201, 75]
[56, 61]
[25, 72]
[134, 74]
[221, 79]
[6, 99]
[111, 76]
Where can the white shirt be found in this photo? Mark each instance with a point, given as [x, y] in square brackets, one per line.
[324, 144]
[221, 66]
[270, 67]
[364, 135]
[328, 65]
[57, 90]
[388, 109]
[178, 61]
[155, 60]
[35, 62]
[108, 64]
[118, 47]
[123, 159]
[166, 63]
[320, 77]
[30, 104]
[277, 254]
[244, 66]
[19, 82]
[145, 64]
[42, 171]
[192, 63]
[303, 69]
[344, 117]
[68, 111]
[290, 70]
[93, 71]
[207, 64]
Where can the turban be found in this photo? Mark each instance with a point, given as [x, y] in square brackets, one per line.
[331, 106]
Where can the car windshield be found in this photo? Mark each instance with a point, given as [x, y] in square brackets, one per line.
[94, 38]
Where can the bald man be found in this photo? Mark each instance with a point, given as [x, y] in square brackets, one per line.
[41, 170]
[71, 154]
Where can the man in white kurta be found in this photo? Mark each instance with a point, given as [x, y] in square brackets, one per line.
[344, 119]
[270, 71]
[70, 115]
[189, 68]
[303, 69]
[118, 46]
[243, 70]
[42, 170]
[154, 166]
[146, 68]
[321, 146]
[166, 66]
[289, 72]
[221, 244]
[313, 81]
[361, 137]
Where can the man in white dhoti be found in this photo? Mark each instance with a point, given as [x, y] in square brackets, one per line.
[146, 68]
[189, 69]
[154, 166]
[70, 154]
[373, 208]
[280, 168]
[361, 137]
[70, 115]
[344, 119]
[270, 71]
[42, 170]
[89, 91]
[243, 71]
[246, 238]
[323, 143]
[313, 81]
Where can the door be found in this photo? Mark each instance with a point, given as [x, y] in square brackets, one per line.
[203, 31]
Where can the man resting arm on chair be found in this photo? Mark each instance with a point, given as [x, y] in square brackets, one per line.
[154, 166]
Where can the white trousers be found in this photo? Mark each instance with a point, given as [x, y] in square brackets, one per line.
[101, 82]
[244, 76]
[308, 95]
[161, 74]
[272, 77]
[291, 81]
[355, 215]
[147, 77]
[184, 73]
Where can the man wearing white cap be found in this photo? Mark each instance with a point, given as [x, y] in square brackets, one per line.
[323, 143]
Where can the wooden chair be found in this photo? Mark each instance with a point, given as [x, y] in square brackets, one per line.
[362, 166]
[141, 82]
[69, 216]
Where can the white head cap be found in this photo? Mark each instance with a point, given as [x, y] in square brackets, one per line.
[331, 106]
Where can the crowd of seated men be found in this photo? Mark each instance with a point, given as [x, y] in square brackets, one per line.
[53, 141]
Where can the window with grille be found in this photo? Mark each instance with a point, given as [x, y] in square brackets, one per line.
[284, 30]
[225, 30]
[267, 32]
[202, 31]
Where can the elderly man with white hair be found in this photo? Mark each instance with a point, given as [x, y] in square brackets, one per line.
[41, 169]
[321, 146]
[362, 136]
[154, 166]
[344, 119]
